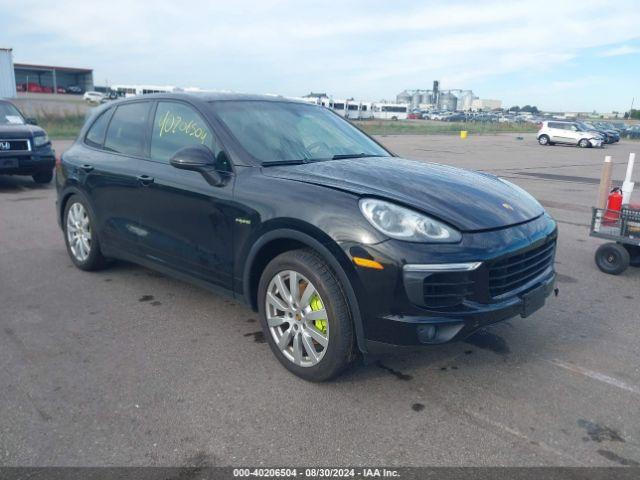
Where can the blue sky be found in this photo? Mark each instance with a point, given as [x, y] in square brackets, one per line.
[559, 55]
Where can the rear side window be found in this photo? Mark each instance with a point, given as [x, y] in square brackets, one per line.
[176, 126]
[126, 132]
[95, 135]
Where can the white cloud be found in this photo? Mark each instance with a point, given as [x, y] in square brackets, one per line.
[368, 48]
[621, 50]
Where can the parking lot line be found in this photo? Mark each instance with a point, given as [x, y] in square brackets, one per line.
[601, 377]
[521, 436]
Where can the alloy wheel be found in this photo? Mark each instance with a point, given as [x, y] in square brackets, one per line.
[297, 318]
[79, 232]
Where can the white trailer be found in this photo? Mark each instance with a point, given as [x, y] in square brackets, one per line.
[340, 107]
[352, 110]
[133, 90]
[366, 111]
[390, 111]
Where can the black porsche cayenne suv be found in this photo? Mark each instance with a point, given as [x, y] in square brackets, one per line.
[25, 148]
[340, 245]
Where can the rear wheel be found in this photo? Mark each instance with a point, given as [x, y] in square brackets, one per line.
[612, 258]
[305, 316]
[43, 177]
[584, 143]
[543, 140]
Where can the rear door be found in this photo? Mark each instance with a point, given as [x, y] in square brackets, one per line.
[556, 133]
[186, 221]
[117, 141]
[562, 133]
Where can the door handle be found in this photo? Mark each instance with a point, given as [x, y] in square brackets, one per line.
[145, 179]
[86, 167]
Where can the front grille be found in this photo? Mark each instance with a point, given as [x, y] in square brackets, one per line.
[510, 273]
[14, 145]
[446, 289]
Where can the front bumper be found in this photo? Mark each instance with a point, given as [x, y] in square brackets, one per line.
[432, 330]
[595, 142]
[21, 164]
[394, 302]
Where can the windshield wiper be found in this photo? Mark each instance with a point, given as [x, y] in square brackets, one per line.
[274, 163]
[353, 155]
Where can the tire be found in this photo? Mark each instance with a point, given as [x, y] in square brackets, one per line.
[43, 177]
[634, 254]
[337, 331]
[612, 258]
[544, 140]
[584, 143]
[93, 258]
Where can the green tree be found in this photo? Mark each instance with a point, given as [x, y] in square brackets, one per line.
[515, 108]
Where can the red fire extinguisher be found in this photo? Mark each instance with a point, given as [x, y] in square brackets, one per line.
[614, 205]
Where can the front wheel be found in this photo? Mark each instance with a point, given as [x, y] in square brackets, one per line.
[81, 236]
[584, 143]
[305, 315]
[612, 258]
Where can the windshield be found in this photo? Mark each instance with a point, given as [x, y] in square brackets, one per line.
[275, 132]
[10, 115]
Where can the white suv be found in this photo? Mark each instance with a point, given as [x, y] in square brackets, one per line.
[568, 132]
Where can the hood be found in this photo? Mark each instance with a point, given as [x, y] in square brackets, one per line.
[19, 131]
[470, 201]
[598, 133]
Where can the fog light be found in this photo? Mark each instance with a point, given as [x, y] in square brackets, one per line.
[427, 333]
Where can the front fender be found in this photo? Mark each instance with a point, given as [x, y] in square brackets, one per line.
[330, 252]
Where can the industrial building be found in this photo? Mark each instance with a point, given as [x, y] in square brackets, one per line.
[486, 104]
[7, 77]
[50, 79]
[450, 100]
[22, 77]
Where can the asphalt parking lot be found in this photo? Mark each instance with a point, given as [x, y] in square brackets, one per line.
[128, 367]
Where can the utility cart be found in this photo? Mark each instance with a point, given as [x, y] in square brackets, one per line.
[622, 227]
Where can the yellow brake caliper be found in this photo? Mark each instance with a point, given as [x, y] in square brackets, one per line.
[316, 304]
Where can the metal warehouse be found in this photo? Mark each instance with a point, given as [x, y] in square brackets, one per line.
[7, 80]
[51, 79]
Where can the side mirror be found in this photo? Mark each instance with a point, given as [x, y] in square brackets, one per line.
[31, 121]
[198, 159]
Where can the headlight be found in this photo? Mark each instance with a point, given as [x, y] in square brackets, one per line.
[404, 224]
[40, 140]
